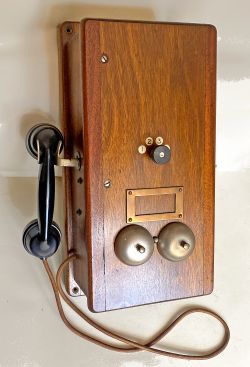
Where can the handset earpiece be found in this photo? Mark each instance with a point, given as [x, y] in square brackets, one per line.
[33, 243]
[41, 237]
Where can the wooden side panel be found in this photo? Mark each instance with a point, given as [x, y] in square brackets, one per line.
[93, 154]
[72, 124]
[209, 160]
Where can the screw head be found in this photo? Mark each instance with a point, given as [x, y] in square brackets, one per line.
[140, 248]
[180, 215]
[107, 184]
[156, 239]
[130, 219]
[104, 58]
[185, 245]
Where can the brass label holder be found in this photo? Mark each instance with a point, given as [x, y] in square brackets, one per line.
[177, 191]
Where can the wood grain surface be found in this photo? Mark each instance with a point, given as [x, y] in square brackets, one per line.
[159, 81]
[73, 180]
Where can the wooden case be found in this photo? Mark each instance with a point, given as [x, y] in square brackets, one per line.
[157, 80]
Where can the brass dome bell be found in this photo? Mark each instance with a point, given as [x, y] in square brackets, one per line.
[176, 241]
[134, 245]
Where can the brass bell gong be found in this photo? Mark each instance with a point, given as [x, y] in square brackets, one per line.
[176, 241]
[134, 245]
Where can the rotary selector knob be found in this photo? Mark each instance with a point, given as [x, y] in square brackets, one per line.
[161, 154]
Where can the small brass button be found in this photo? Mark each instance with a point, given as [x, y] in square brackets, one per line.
[142, 149]
[149, 140]
[159, 140]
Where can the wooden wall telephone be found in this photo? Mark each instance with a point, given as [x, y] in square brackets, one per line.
[138, 117]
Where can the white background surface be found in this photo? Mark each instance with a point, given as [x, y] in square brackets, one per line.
[30, 329]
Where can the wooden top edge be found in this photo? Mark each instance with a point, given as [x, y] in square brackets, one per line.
[84, 21]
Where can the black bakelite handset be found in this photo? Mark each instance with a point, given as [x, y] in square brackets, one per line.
[42, 236]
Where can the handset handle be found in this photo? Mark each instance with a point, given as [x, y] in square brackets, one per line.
[41, 237]
[46, 195]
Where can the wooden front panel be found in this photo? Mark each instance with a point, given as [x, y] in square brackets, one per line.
[159, 81]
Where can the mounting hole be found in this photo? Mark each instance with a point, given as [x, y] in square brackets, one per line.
[69, 30]
[75, 290]
[80, 180]
[79, 212]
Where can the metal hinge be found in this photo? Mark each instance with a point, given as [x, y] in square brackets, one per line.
[72, 162]
[64, 162]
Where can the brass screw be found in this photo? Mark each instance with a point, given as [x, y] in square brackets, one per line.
[130, 193]
[156, 239]
[130, 219]
[104, 58]
[185, 245]
[180, 189]
[140, 248]
[180, 215]
[107, 184]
